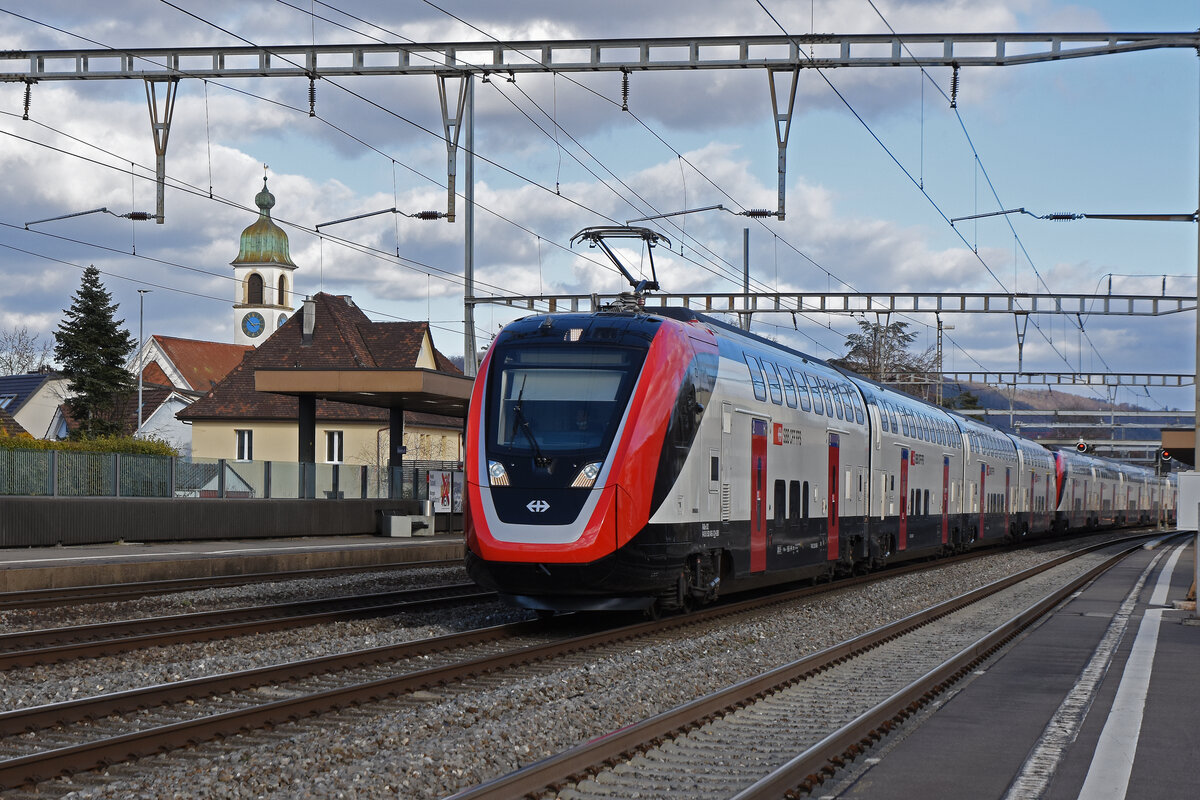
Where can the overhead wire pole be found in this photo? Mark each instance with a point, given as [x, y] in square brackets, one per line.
[470, 351]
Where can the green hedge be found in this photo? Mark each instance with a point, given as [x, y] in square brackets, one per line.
[113, 444]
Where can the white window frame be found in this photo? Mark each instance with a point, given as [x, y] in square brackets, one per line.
[245, 444]
[335, 442]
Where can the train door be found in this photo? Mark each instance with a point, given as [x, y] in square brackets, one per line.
[758, 494]
[833, 551]
[1008, 499]
[982, 497]
[1032, 497]
[724, 461]
[903, 541]
[860, 492]
[945, 499]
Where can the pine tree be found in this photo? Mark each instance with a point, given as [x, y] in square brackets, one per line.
[92, 348]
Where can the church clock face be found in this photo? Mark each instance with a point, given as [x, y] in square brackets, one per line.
[253, 324]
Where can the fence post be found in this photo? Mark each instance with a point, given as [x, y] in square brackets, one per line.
[221, 477]
[116, 471]
[266, 480]
[53, 476]
[171, 477]
[362, 494]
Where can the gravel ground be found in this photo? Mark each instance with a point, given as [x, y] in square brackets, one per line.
[433, 743]
[230, 597]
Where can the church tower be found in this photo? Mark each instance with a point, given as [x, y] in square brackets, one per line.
[263, 269]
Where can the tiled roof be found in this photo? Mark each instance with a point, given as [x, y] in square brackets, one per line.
[9, 426]
[202, 364]
[343, 338]
[153, 373]
[23, 387]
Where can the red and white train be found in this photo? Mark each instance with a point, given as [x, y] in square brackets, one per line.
[636, 460]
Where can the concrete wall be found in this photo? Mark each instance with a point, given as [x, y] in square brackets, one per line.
[48, 521]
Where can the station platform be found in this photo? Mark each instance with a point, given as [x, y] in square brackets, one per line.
[24, 569]
[1099, 699]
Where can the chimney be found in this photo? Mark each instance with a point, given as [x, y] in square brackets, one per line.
[310, 320]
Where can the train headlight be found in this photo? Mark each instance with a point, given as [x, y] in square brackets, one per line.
[587, 476]
[497, 474]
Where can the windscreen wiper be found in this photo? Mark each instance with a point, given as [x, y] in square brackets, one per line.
[519, 420]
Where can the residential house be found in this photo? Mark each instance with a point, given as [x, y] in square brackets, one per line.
[33, 400]
[235, 421]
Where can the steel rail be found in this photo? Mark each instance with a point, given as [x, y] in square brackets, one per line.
[41, 766]
[57, 596]
[816, 764]
[570, 765]
[29, 648]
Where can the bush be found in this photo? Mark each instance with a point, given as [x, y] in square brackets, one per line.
[126, 445]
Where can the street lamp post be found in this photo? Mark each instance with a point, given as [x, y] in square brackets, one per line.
[141, 347]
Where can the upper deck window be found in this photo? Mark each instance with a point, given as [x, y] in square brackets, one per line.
[756, 377]
[773, 382]
[802, 390]
[789, 388]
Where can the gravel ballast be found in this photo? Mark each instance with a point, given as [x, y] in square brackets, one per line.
[434, 743]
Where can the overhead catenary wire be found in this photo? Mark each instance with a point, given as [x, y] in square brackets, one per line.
[551, 116]
[952, 99]
[909, 175]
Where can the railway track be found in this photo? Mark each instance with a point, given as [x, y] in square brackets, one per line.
[830, 706]
[107, 593]
[31, 648]
[44, 741]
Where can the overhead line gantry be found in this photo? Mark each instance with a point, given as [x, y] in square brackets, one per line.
[782, 56]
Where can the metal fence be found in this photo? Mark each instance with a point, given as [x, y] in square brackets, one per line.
[61, 473]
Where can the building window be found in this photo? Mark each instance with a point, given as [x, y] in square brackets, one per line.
[283, 290]
[5, 399]
[333, 447]
[245, 445]
[254, 290]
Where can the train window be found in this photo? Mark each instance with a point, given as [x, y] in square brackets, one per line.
[904, 423]
[804, 501]
[847, 404]
[789, 388]
[892, 416]
[837, 399]
[818, 404]
[714, 468]
[883, 418]
[860, 414]
[773, 382]
[828, 399]
[780, 503]
[794, 501]
[802, 390]
[756, 377]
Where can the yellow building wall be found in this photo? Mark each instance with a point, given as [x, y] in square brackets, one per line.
[362, 443]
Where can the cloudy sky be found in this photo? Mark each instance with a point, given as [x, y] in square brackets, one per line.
[556, 154]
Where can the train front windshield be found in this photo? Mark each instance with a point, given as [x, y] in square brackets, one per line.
[559, 400]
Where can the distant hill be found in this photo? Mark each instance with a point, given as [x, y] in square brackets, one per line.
[1048, 400]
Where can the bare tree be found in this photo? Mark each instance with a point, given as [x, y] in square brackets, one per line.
[21, 352]
[881, 352]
